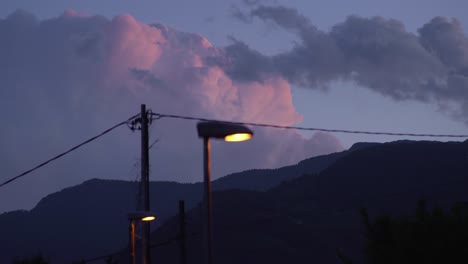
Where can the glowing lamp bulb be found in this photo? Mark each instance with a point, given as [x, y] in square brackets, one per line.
[238, 137]
[148, 218]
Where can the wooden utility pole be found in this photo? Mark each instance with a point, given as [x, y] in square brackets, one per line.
[145, 181]
[182, 233]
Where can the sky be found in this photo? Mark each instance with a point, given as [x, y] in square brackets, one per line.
[70, 69]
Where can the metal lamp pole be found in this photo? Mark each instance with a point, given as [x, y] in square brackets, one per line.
[208, 198]
[231, 133]
[141, 216]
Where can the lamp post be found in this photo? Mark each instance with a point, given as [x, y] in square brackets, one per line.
[142, 216]
[230, 133]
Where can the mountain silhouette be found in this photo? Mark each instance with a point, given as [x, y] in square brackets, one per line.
[302, 213]
[313, 217]
[90, 219]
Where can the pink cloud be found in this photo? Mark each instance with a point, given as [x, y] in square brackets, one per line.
[74, 13]
[131, 44]
[67, 78]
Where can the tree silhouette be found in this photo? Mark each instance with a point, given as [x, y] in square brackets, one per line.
[110, 260]
[35, 260]
[427, 237]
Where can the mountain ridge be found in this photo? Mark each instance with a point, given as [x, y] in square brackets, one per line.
[91, 204]
[312, 217]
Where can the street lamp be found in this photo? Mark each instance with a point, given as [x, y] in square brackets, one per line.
[142, 216]
[230, 133]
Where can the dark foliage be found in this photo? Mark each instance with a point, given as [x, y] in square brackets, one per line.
[34, 260]
[429, 237]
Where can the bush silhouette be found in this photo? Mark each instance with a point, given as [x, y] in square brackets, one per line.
[427, 237]
[35, 260]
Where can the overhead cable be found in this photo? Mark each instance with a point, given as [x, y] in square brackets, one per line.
[67, 152]
[159, 115]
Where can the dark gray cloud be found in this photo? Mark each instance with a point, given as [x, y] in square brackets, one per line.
[445, 39]
[252, 3]
[380, 54]
[239, 12]
[285, 17]
[377, 53]
[243, 63]
[209, 19]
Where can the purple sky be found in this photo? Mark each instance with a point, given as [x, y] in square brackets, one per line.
[38, 65]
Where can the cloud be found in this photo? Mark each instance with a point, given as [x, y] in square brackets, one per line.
[65, 79]
[377, 53]
[237, 10]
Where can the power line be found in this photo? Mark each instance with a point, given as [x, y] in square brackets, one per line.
[159, 115]
[68, 151]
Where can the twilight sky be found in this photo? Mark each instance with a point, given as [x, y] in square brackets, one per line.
[69, 69]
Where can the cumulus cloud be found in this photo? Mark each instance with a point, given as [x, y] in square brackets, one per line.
[377, 53]
[66, 78]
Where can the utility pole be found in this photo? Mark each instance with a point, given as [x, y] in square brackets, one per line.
[183, 233]
[145, 181]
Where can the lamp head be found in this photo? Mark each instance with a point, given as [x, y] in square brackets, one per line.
[142, 216]
[227, 131]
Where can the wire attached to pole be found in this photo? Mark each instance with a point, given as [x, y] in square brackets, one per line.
[68, 151]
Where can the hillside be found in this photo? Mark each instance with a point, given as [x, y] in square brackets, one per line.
[90, 219]
[310, 218]
[265, 179]
[300, 213]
